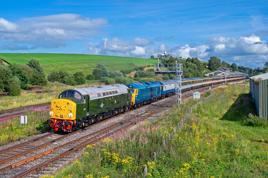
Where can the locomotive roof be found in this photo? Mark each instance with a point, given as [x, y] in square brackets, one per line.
[164, 82]
[101, 91]
[142, 85]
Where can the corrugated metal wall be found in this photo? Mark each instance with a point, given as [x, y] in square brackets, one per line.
[263, 97]
[259, 93]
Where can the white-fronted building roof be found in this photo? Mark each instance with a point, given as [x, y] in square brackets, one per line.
[260, 77]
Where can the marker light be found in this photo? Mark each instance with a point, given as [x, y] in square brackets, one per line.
[70, 115]
[51, 113]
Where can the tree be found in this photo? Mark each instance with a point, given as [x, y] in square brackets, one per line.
[60, 76]
[234, 67]
[90, 77]
[115, 74]
[34, 64]
[5, 75]
[24, 74]
[79, 78]
[13, 86]
[107, 80]
[100, 71]
[266, 66]
[225, 64]
[38, 77]
[214, 63]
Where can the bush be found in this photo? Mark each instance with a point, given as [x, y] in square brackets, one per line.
[13, 87]
[70, 80]
[2, 86]
[62, 77]
[107, 80]
[5, 75]
[165, 77]
[34, 64]
[38, 77]
[58, 76]
[126, 71]
[141, 73]
[255, 121]
[79, 78]
[90, 77]
[116, 74]
[100, 71]
[24, 74]
[123, 80]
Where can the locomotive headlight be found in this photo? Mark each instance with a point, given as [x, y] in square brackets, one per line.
[70, 115]
[51, 113]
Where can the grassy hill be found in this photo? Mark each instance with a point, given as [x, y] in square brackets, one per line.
[75, 62]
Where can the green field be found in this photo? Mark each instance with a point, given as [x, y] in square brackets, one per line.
[76, 62]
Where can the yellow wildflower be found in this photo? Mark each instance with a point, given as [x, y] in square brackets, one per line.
[151, 165]
[105, 177]
[115, 158]
[194, 126]
[46, 176]
[89, 176]
[89, 146]
[107, 140]
[69, 176]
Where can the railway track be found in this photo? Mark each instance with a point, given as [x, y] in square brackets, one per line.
[13, 113]
[65, 149]
[47, 153]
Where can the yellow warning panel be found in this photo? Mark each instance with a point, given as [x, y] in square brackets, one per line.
[133, 96]
[63, 109]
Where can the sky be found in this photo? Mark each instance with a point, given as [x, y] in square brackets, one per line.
[234, 30]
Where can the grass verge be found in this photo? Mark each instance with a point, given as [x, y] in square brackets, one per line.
[12, 130]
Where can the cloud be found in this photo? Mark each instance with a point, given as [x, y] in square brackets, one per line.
[48, 31]
[187, 51]
[245, 45]
[141, 41]
[115, 46]
[6, 25]
[249, 50]
[139, 51]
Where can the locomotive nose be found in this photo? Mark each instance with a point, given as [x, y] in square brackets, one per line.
[62, 115]
[63, 109]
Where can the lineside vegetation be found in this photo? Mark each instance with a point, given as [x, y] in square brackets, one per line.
[12, 130]
[208, 138]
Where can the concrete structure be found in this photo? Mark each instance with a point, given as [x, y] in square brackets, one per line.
[224, 72]
[259, 93]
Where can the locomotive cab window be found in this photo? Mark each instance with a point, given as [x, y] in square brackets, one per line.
[73, 95]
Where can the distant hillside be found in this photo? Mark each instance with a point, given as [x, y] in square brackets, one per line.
[75, 62]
